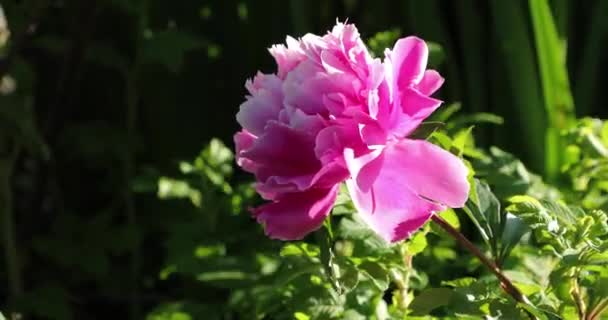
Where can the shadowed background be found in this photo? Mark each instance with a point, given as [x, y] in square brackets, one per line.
[101, 98]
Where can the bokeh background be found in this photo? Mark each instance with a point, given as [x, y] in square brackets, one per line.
[103, 100]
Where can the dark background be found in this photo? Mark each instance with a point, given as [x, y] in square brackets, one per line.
[112, 92]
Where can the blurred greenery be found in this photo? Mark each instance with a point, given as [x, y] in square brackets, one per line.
[109, 208]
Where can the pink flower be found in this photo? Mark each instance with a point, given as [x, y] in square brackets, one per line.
[333, 113]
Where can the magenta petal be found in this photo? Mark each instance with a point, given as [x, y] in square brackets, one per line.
[287, 57]
[294, 215]
[409, 58]
[263, 105]
[430, 82]
[430, 171]
[243, 140]
[417, 105]
[382, 196]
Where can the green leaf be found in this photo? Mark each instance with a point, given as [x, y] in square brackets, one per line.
[353, 228]
[484, 210]
[301, 316]
[475, 118]
[169, 188]
[382, 40]
[349, 276]
[376, 272]
[416, 244]
[514, 228]
[461, 139]
[604, 133]
[431, 299]
[457, 283]
[352, 315]
[445, 113]
[299, 249]
[426, 129]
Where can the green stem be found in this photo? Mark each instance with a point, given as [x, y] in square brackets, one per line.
[403, 282]
[15, 281]
[577, 297]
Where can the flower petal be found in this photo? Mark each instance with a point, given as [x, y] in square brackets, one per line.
[429, 171]
[287, 57]
[263, 105]
[430, 82]
[243, 140]
[409, 58]
[380, 193]
[390, 188]
[294, 215]
[283, 151]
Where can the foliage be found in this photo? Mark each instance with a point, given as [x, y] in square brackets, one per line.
[345, 271]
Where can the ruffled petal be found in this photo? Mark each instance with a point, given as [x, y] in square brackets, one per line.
[295, 215]
[264, 104]
[283, 151]
[287, 57]
[243, 140]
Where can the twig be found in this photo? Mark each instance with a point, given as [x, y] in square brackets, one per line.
[505, 283]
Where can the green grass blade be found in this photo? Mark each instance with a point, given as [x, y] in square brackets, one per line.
[554, 82]
[521, 79]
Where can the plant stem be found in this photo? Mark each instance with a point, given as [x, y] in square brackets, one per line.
[578, 299]
[505, 283]
[598, 310]
[404, 286]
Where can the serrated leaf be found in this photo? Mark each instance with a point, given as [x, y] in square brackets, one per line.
[349, 277]
[376, 272]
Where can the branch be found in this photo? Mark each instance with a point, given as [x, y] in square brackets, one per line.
[505, 283]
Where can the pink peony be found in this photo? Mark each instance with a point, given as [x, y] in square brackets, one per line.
[333, 113]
